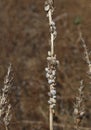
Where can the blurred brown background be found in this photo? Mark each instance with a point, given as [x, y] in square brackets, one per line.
[24, 36]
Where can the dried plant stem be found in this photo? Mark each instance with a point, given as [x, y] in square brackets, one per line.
[52, 62]
[52, 53]
[6, 127]
[52, 36]
[51, 119]
[5, 106]
[87, 59]
[79, 106]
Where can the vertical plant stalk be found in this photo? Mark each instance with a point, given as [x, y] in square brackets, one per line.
[86, 55]
[52, 63]
[7, 128]
[51, 119]
[5, 106]
[79, 106]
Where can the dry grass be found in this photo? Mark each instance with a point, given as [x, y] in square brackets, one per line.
[36, 87]
[5, 106]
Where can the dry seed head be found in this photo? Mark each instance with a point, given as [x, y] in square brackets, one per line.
[5, 107]
[51, 76]
[86, 54]
[79, 106]
[51, 59]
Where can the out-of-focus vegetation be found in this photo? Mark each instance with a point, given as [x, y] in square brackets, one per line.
[24, 42]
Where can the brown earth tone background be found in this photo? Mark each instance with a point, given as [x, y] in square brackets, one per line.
[24, 37]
